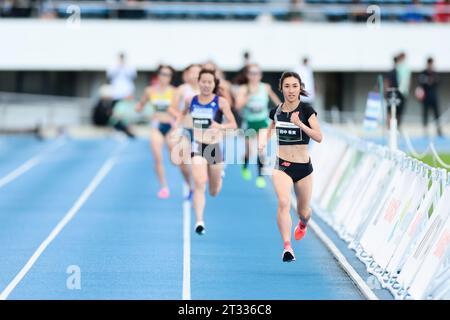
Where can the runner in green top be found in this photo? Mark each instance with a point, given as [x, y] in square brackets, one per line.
[253, 99]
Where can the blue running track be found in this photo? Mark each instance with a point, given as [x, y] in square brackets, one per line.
[128, 244]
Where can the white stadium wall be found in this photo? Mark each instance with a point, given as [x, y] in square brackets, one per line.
[33, 44]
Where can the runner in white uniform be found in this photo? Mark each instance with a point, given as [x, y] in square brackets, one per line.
[182, 136]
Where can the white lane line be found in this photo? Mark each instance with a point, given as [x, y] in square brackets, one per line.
[95, 182]
[28, 164]
[186, 245]
[345, 265]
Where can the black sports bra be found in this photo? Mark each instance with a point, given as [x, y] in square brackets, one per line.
[287, 132]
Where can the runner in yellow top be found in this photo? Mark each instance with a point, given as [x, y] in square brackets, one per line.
[160, 96]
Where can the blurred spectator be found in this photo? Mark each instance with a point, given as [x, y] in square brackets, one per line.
[246, 57]
[392, 84]
[428, 82]
[358, 12]
[392, 76]
[16, 9]
[413, 13]
[307, 75]
[404, 81]
[103, 109]
[132, 10]
[295, 10]
[121, 77]
[442, 11]
[47, 10]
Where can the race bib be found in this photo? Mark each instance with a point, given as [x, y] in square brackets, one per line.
[255, 107]
[161, 105]
[202, 118]
[288, 132]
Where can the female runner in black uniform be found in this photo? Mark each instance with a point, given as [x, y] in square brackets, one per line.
[295, 123]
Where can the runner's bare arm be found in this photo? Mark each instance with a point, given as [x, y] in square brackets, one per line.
[314, 132]
[272, 95]
[262, 141]
[241, 97]
[183, 113]
[226, 109]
